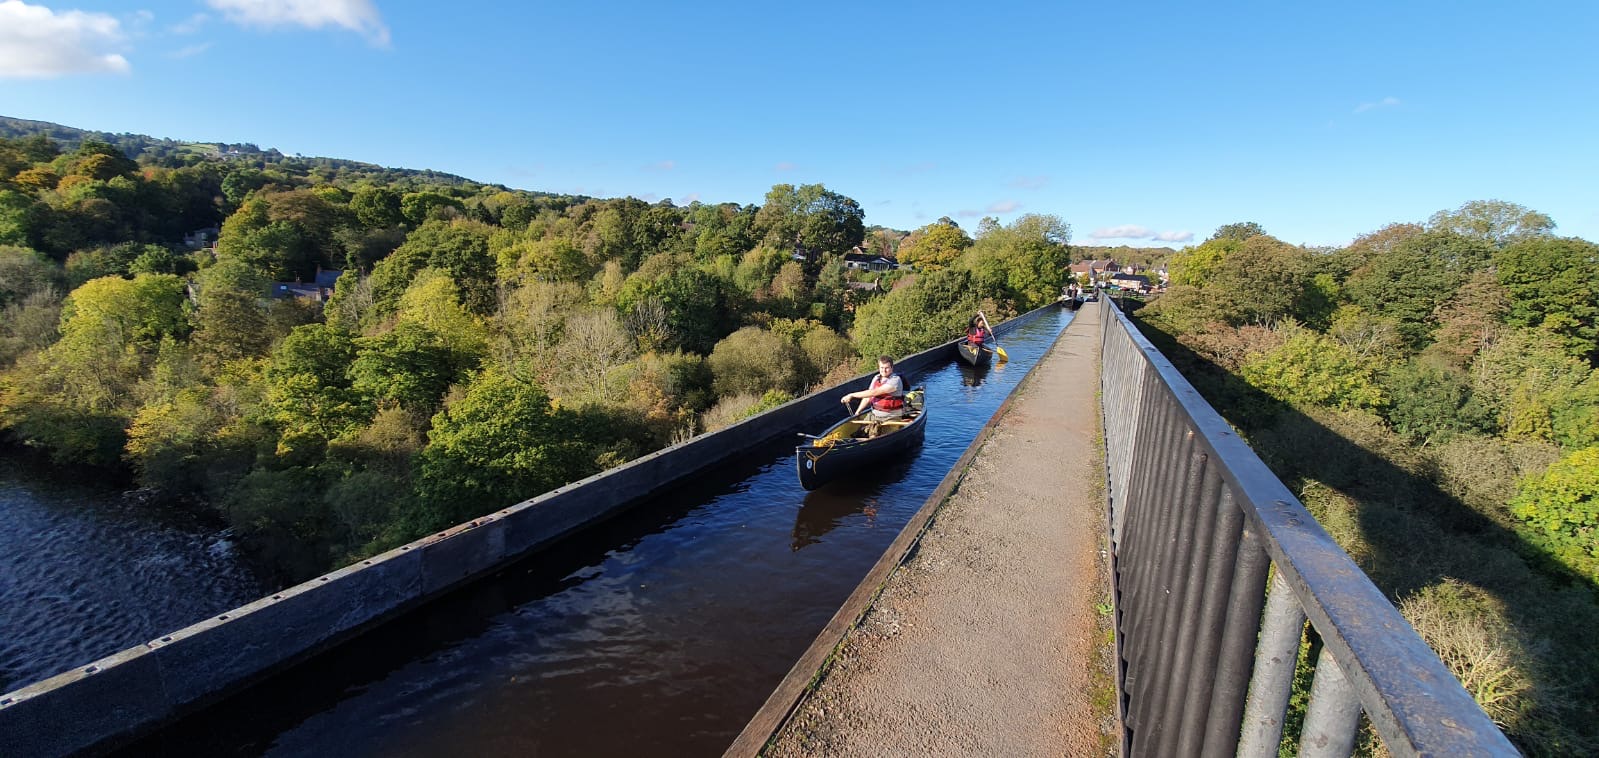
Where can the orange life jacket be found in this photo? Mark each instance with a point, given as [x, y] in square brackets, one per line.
[888, 402]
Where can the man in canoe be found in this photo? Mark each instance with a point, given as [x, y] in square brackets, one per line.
[886, 395]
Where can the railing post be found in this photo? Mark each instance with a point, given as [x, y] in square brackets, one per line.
[1275, 657]
[1333, 715]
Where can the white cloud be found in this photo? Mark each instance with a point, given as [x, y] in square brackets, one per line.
[661, 166]
[786, 166]
[1387, 102]
[968, 214]
[1029, 182]
[1004, 206]
[359, 16]
[1136, 232]
[38, 43]
[1125, 231]
[691, 198]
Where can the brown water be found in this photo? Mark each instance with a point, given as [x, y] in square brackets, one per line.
[657, 633]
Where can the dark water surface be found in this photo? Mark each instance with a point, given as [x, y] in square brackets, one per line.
[85, 573]
[657, 633]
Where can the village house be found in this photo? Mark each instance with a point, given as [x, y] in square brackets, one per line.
[318, 290]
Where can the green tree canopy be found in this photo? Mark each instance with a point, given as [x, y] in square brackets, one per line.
[501, 443]
[934, 246]
[1553, 283]
[1493, 221]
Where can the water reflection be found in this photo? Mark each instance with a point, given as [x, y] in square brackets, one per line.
[839, 501]
[972, 376]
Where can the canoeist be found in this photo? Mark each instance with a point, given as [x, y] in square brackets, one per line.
[976, 332]
[886, 395]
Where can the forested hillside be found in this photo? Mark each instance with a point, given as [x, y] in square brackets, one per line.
[481, 345]
[1430, 392]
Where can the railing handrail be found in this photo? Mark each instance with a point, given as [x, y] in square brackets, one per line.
[1410, 696]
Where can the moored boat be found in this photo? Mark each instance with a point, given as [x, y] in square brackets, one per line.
[845, 448]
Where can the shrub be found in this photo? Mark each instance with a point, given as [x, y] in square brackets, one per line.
[1469, 631]
[1312, 369]
[754, 360]
[1560, 509]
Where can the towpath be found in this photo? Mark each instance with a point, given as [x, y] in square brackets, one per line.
[987, 640]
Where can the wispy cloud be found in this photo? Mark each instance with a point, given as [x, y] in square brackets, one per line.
[786, 166]
[190, 51]
[38, 43]
[1123, 232]
[968, 214]
[1136, 232]
[1029, 182]
[661, 166]
[1387, 102]
[1004, 206]
[691, 198]
[358, 16]
[191, 25]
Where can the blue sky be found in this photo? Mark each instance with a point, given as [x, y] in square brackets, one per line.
[1140, 123]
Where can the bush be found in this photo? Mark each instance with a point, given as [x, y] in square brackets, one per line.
[1468, 630]
[1312, 369]
[753, 360]
[1560, 511]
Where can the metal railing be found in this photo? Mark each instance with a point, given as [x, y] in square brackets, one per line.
[1205, 654]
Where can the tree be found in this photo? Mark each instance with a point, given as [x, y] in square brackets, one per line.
[377, 207]
[810, 218]
[460, 247]
[753, 360]
[1421, 273]
[419, 208]
[410, 367]
[931, 311]
[1561, 511]
[1553, 284]
[309, 397]
[1239, 231]
[1536, 389]
[934, 246]
[1022, 265]
[1431, 402]
[1312, 369]
[24, 272]
[1494, 221]
[229, 322]
[503, 441]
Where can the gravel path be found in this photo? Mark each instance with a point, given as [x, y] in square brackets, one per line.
[986, 641]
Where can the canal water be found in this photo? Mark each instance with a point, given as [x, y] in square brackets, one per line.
[660, 632]
[86, 572]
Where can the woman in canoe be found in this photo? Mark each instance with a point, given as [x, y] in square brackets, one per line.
[977, 332]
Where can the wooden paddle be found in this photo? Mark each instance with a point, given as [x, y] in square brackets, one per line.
[997, 349]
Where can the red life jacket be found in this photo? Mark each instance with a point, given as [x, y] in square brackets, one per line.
[888, 402]
[975, 335]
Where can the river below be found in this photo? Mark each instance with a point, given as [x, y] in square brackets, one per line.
[86, 572]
